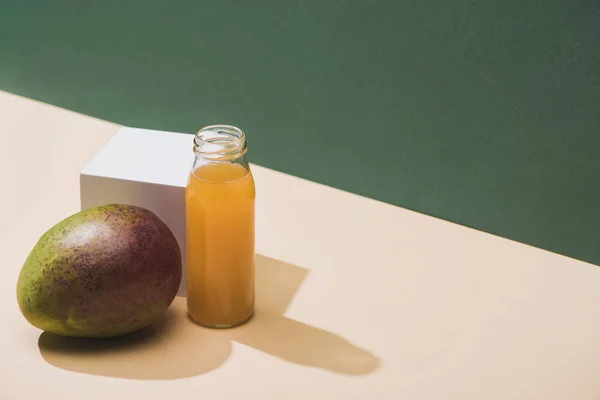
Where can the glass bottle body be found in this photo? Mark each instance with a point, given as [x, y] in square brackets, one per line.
[220, 198]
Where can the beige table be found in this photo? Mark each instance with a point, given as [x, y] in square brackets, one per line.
[356, 299]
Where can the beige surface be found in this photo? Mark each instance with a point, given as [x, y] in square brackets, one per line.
[357, 299]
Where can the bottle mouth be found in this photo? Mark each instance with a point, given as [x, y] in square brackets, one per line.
[220, 142]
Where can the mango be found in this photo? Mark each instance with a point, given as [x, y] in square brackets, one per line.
[102, 272]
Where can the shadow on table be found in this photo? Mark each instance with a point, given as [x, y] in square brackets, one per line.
[176, 347]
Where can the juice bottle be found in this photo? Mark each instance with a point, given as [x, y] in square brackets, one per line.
[220, 229]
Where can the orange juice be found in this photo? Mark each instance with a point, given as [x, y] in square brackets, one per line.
[220, 244]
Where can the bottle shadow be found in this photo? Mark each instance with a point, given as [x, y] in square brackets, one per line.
[175, 347]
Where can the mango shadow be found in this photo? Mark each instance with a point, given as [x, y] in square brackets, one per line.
[171, 349]
[175, 347]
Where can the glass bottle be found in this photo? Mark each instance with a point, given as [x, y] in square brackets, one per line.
[220, 229]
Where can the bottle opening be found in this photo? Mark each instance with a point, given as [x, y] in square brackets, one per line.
[220, 142]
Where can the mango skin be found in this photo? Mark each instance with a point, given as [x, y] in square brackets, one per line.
[102, 272]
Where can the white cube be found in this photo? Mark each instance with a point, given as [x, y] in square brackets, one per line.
[146, 168]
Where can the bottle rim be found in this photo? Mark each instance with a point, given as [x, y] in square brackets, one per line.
[220, 142]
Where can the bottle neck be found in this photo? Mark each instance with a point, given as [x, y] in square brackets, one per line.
[220, 143]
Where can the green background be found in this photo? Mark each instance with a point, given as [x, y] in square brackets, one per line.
[486, 113]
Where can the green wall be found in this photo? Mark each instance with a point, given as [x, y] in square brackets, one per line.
[486, 113]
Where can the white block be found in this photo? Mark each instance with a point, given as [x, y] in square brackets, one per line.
[145, 168]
